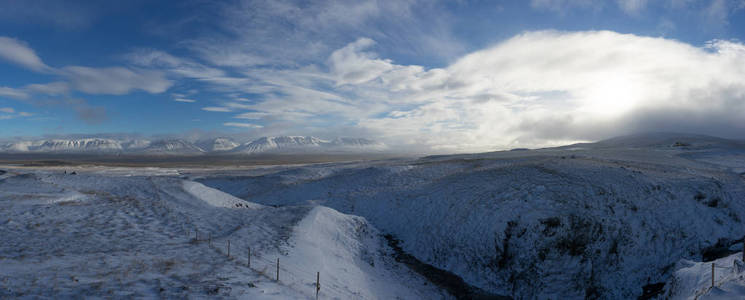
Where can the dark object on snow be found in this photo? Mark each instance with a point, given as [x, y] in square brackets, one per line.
[652, 290]
[719, 250]
[681, 144]
[74, 173]
[2, 172]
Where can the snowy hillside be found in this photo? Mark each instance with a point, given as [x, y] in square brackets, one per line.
[667, 140]
[550, 224]
[281, 143]
[692, 280]
[60, 145]
[289, 144]
[218, 144]
[172, 147]
[100, 234]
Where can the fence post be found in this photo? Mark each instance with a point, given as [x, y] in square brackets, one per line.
[228, 248]
[318, 283]
[249, 257]
[712, 274]
[277, 268]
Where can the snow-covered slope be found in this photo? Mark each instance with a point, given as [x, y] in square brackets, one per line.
[280, 143]
[102, 235]
[172, 147]
[218, 144]
[136, 144]
[692, 280]
[663, 140]
[62, 145]
[603, 222]
[295, 144]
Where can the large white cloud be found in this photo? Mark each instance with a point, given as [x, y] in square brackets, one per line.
[541, 87]
[535, 89]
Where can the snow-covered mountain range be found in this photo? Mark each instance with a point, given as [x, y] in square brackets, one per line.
[220, 145]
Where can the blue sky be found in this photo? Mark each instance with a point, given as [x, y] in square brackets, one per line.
[448, 75]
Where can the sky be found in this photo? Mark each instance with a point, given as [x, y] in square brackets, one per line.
[448, 76]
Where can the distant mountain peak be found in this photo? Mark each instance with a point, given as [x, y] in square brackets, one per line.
[174, 146]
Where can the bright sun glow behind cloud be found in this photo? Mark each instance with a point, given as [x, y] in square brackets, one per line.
[540, 88]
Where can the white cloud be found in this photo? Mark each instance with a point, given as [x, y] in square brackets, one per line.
[53, 88]
[19, 53]
[111, 80]
[574, 86]
[184, 100]
[13, 93]
[289, 33]
[535, 89]
[252, 115]
[351, 65]
[242, 125]
[115, 80]
[10, 113]
[217, 109]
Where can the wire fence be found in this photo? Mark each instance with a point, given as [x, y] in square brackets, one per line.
[275, 269]
[714, 276]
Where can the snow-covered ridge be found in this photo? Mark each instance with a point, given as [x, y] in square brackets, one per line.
[221, 145]
[217, 144]
[292, 143]
[598, 222]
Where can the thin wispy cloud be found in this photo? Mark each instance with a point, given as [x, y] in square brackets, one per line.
[17, 52]
[217, 109]
[242, 125]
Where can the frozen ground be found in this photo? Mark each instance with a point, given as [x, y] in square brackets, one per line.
[592, 221]
[106, 235]
[609, 220]
[692, 280]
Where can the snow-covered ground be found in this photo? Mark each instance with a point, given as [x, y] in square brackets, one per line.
[590, 221]
[692, 280]
[107, 235]
[607, 220]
